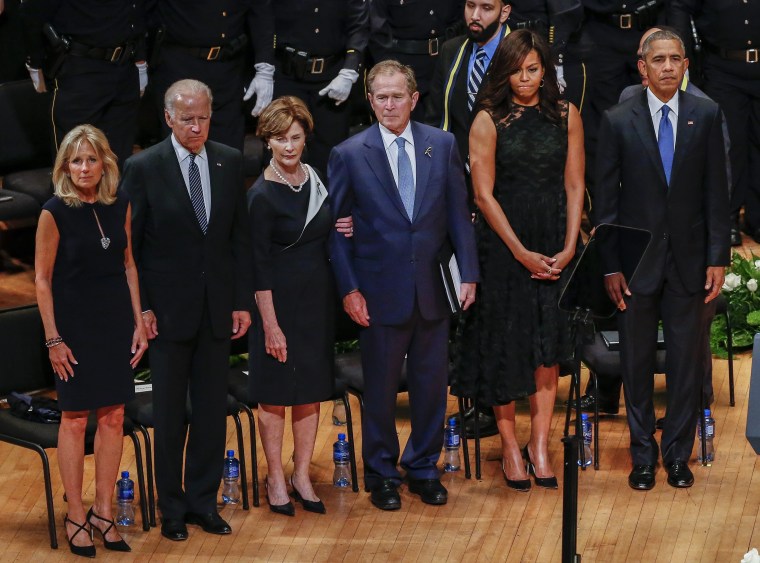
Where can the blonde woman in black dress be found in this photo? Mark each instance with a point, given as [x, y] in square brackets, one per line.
[88, 296]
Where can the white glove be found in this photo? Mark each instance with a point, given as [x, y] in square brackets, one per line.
[142, 71]
[340, 86]
[37, 79]
[561, 78]
[263, 86]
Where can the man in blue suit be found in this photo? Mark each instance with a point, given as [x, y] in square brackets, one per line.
[402, 182]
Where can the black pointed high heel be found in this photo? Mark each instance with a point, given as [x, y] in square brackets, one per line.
[287, 509]
[80, 550]
[316, 506]
[119, 545]
[521, 485]
[545, 482]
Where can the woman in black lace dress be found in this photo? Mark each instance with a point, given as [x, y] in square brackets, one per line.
[527, 163]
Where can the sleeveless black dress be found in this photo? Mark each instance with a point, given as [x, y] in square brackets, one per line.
[92, 305]
[515, 325]
[293, 263]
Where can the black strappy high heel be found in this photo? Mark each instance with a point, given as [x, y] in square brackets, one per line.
[119, 545]
[81, 550]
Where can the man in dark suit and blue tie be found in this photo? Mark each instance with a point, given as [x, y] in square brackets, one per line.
[190, 241]
[661, 167]
[403, 183]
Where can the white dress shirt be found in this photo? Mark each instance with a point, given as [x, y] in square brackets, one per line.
[655, 110]
[201, 159]
[391, 150]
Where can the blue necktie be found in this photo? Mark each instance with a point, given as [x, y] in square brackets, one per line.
[665, 142]
[405, 177]
[476, 77]
[196, 193]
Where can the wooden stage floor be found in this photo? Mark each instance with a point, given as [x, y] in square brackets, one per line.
[717, 520]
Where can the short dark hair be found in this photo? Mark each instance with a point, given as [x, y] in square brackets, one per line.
[661, 35]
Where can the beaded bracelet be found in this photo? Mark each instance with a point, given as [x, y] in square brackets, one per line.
[53, 342]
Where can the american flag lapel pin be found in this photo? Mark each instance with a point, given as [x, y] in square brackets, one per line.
[690, 122]
[219, 164]
[429, 152]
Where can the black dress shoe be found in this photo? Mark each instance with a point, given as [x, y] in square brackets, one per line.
[545, 482]
[486, 423]
[642, 477]
[431, 491]
[211, 522]
[286, 509]
[679, 475]
[385, 495]
[174, 530]
[606, 406]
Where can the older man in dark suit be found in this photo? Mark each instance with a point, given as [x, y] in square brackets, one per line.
[661, 167]
[190, 240]
[403, 184]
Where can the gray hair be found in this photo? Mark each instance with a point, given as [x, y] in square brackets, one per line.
[186, 88]
[390, 67]
[661, 35]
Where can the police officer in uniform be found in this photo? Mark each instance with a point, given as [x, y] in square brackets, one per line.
[318, 51]
[209, 41]
[729, 39]
[92, 52]
[608, 41]
[413, 32]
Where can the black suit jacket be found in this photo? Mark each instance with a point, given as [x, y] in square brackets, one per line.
[179, 266]
[690, 216]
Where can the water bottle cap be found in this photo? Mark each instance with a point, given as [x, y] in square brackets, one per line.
[230, 453]
[452, 421]
[125, 474]
[341, 437]
[584, 416]
[707, 412]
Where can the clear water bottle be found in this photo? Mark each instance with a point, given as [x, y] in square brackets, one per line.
[451, 445]
[125, 496]
[341, 457]
[588, 456]
[709, 436]
[231, 479]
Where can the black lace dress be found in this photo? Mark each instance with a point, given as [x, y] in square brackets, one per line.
[515, 325]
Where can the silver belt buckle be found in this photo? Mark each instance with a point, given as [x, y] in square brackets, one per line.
[625, 21]
[752, 56]
[317, 66]
[433, 46]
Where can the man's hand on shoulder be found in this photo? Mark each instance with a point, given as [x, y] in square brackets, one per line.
[241, 320]
[356, 307]
[716, 275]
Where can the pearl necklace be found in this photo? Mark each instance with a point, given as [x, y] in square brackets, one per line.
[281, 177]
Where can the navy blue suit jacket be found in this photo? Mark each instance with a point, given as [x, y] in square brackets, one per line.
[391, 259]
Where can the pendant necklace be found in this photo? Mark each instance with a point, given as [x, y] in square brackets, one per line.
[281, 177]
[104, 240]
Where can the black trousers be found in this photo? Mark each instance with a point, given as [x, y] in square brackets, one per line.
[684, 324]
[225, 78]
[735, 86]
[100, 93]
[331, 122]
[196, 369]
